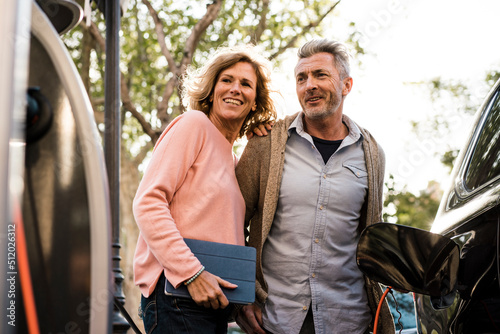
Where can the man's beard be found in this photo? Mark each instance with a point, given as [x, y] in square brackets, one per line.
[320, 112]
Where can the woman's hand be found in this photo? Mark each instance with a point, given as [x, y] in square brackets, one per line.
[261, 129]
[206, 290]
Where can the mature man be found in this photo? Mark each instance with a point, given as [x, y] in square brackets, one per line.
[310, 187]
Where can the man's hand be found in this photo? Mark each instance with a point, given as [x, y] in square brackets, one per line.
[206, 290]
[249, 318]
[261, 129]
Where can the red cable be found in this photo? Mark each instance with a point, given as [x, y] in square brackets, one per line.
[24, 274]
[380, 303]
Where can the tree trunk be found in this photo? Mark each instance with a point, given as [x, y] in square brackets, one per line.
[130, 178]
[87, 45]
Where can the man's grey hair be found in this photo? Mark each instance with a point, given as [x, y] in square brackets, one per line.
[336, 49]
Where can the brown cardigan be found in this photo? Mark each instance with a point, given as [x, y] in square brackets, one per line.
[259, 174]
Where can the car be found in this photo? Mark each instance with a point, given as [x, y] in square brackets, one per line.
[453, 269]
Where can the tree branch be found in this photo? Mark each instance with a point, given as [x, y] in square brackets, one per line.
[99, 117]
[87, 41]
[161, 37]
[213, 10]
[262, 23]
[163, 115]
[124, 91]
[97, 101]
[191, 43]
[311, 25]
[129, 106]
[96, 34]
[139, 158]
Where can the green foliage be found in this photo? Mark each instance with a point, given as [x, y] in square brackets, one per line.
[492, 77]
[151, 76]
[448, 158]
[454, 102]
[354, 39]
[405, 208]
[89, 59]
[450, 98]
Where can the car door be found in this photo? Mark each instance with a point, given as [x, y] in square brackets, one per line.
[469, 215]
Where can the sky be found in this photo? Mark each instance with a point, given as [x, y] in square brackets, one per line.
[410, 42]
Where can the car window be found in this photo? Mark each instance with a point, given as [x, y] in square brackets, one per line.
[484, 164]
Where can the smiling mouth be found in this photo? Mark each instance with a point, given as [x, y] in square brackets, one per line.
[313, 99]
[233, 102]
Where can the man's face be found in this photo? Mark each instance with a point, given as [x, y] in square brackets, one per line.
[319, 87]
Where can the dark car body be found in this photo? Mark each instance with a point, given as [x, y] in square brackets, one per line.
[468, 216]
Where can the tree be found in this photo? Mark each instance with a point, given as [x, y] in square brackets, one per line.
[452, 98]
[159, 46]
[159, 40]
[405, 208]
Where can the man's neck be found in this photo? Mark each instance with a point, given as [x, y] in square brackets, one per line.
[328, 128]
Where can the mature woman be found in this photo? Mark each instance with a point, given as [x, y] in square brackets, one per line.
[189, 190]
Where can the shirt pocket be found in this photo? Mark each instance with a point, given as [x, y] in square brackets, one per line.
[359, 170]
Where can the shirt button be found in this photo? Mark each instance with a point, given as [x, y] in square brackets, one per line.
[321, 207]
[324, 176]
[304, 308]
[316, 240]
[313, 275]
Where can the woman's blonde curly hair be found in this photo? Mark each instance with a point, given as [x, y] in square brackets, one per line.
[198, 84]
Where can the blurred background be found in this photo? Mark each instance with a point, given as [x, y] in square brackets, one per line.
[421, 68]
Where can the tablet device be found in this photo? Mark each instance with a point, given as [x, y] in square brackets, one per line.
[233, 263]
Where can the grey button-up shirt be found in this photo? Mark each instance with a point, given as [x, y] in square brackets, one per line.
[309, 255]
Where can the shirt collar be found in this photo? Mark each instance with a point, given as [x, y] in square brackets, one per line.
[298, 124]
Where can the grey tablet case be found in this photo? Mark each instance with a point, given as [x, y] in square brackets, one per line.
[235, 264]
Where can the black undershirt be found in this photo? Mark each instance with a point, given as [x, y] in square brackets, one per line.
[326, 147]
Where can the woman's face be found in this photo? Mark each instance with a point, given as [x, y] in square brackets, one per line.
[234, 94]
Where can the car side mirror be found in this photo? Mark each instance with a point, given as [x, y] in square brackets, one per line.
[408, 258]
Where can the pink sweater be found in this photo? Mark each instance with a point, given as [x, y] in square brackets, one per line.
[189, 190]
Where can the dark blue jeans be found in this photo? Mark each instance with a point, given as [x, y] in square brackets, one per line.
[170, 315]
